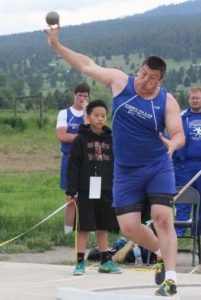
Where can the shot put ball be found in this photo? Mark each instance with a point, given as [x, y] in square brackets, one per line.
[52, 18]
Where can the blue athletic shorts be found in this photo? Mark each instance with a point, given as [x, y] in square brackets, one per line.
[132, 185]
[63, 173]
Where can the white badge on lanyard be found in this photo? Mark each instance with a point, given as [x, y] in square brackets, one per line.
[95, 187]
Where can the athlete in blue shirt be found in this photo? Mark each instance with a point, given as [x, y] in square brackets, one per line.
[187, 160]
[68, 121]
[143, 164]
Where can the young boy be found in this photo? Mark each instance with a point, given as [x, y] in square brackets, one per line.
[90, 176]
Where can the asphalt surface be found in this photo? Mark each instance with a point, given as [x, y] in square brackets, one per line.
[48, 281]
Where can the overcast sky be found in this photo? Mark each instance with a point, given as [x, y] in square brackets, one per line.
[29, 15]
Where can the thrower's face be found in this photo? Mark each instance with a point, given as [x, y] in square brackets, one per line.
[195, 101]
[148, 81]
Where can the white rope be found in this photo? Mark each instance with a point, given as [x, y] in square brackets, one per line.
[38, 224]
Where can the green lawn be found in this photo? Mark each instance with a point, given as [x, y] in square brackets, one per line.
[29, 189]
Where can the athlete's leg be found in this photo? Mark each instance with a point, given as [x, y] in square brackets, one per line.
[69, 217]
[69, 211]
[128, 199]
[160, 190]
[134, 230]
[163, 223]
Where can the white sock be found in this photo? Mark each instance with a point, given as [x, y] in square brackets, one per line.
[171, 275]
[158, 253]
[68, 229]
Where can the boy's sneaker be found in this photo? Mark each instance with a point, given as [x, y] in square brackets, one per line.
[79, 269]
[109, 267]
[159, 272]
[168, 288]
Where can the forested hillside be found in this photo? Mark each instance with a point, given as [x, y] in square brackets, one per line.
[28, 65]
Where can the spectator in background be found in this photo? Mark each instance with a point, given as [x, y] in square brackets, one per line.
[90, 177]
[68, 121]
[187, 160]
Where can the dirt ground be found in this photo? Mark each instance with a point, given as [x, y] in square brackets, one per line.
[59, 255]
[66, 255]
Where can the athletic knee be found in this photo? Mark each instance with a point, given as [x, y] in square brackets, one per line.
[163, 222]
[129, 229]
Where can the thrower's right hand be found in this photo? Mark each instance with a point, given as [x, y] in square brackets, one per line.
[52, 35]
[168, 144]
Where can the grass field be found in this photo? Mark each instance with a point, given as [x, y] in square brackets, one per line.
[29, 189]
[29, 182]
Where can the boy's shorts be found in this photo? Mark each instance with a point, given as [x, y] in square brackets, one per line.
[96, 214]
[155, 182]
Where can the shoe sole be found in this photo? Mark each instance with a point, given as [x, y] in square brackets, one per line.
[157, 294]
[169, 295]
[110, 272]
[78, 274]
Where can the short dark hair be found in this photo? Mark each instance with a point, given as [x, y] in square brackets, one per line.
[82, 87]
[155, 63]
[95, 103]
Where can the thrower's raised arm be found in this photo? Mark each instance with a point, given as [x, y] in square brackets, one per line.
[116, 79]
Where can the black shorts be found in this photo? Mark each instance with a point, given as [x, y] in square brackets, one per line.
[96, 214]
[145, 205]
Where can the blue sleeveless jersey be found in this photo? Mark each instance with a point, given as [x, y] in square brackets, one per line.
[136, 126]
[73, 124]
